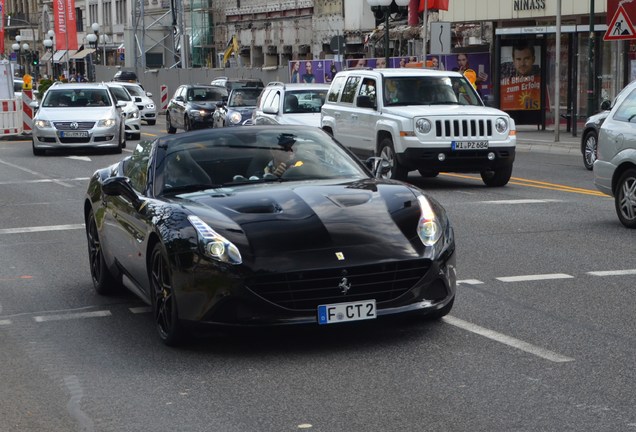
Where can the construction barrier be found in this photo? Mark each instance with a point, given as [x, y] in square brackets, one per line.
[27, 111]
[10, 117]
[164, 97]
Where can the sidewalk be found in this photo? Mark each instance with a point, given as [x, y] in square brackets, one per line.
[529, 138]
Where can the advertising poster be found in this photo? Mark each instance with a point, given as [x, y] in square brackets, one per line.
[380, 62]
[520, 77]
[313, 71]
[479, 62]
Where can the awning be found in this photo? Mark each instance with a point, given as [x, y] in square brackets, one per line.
[46, 57]
[60, 56]
[83, 53]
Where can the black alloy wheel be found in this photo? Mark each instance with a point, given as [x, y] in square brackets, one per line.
[387, 152]
[164, 306]
[625, 198]
[497, 177]
[103, 280]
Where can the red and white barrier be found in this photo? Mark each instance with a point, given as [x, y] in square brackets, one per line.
[10, 117]
[164, 97]
[27, 111]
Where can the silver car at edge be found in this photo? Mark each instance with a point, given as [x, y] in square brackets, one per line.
[615, 166]
[78, 115]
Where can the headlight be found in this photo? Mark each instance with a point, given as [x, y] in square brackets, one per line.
[107, 122]
[235, 117]
[150, 106]
[428, 229]
[197, 113]
[42, 123]
[501, 124]
[423, 126]
[133, 114]
[215, 245]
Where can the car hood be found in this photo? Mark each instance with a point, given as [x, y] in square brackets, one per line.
[307, 119]
[208, 105]
[76, 114]
[314, 221]
[442, 110]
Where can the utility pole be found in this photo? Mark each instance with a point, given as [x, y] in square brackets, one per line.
[590, 59]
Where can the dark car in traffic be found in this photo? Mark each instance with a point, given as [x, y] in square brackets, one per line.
[239, 107]
[192, 107]
[266, 225]
[589, 138]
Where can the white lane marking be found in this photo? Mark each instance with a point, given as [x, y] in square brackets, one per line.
[470, 282]
[534, 277]
[139, 310]
[96, 314]
[5, 322]
[41, 228]
[508, 340]
[44, 181]
[613, 272]
[522, 201]
[82, 158]
[35, 173]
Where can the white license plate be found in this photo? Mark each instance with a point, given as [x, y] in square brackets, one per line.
[344, 312]
[74, 134]
[469, 145]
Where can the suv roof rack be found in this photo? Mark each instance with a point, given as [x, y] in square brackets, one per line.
[273, 83]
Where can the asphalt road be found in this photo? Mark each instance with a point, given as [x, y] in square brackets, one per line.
[541, 337]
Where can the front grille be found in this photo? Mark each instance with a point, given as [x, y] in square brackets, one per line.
[75, 140]
[462, 128]
[80, 125]
[305, 290]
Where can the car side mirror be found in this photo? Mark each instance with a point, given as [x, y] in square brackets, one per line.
[148, 94]
[120, 186]
[121, 104]
[270, 110]
[606, 105]
[179, 99]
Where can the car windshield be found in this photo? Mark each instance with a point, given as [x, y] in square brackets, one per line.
[244, 97]
[429, 90]
[304, 101]
[205, 94]
[76, 97]
[236, 159]
[120, 93]
[135, 91]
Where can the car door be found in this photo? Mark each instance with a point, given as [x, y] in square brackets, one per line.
[346, 119]
[178, 110]
[363, 126]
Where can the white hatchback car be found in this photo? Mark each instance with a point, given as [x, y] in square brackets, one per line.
[78, 115]
[133, 117]
[299, 104]
[144, 102]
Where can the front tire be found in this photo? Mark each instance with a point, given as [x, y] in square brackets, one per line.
[37, 151]
[387, 151]
[590, 149]
[164, 306]
[497, 177]
[103, 280]
[625, 198]
[428, 173]
[170, 129]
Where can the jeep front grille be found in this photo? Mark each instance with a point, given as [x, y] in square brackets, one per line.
[476, 129]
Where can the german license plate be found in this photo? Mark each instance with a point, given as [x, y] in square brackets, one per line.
[469, 145]
[74, 134]
[345, 312]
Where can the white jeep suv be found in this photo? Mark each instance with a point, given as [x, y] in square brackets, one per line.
[419, 119]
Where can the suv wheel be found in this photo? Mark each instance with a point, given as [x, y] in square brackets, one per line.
[497, 177]
[387, 152]
[589, 149]
[625, 198]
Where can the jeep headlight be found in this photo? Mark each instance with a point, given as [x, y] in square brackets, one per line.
[235, 117]
[428, 228]
[107, 122]
[501, 125]
[214, 245]
[423, 126]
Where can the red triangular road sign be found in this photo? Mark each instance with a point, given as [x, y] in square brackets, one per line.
[620, 27]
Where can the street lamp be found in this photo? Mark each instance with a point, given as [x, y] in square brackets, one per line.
[92, 40]
[48, 44]
[382, 9]
[25, 49]
[95, 28]
[17, 47]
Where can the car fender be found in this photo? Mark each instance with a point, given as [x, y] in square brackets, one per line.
[387, 126]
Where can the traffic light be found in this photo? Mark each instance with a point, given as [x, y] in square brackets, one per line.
[36, 58]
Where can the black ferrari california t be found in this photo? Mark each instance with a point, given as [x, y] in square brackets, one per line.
[265, 225]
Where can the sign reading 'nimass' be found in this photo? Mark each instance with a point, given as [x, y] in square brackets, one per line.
[521, 5]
